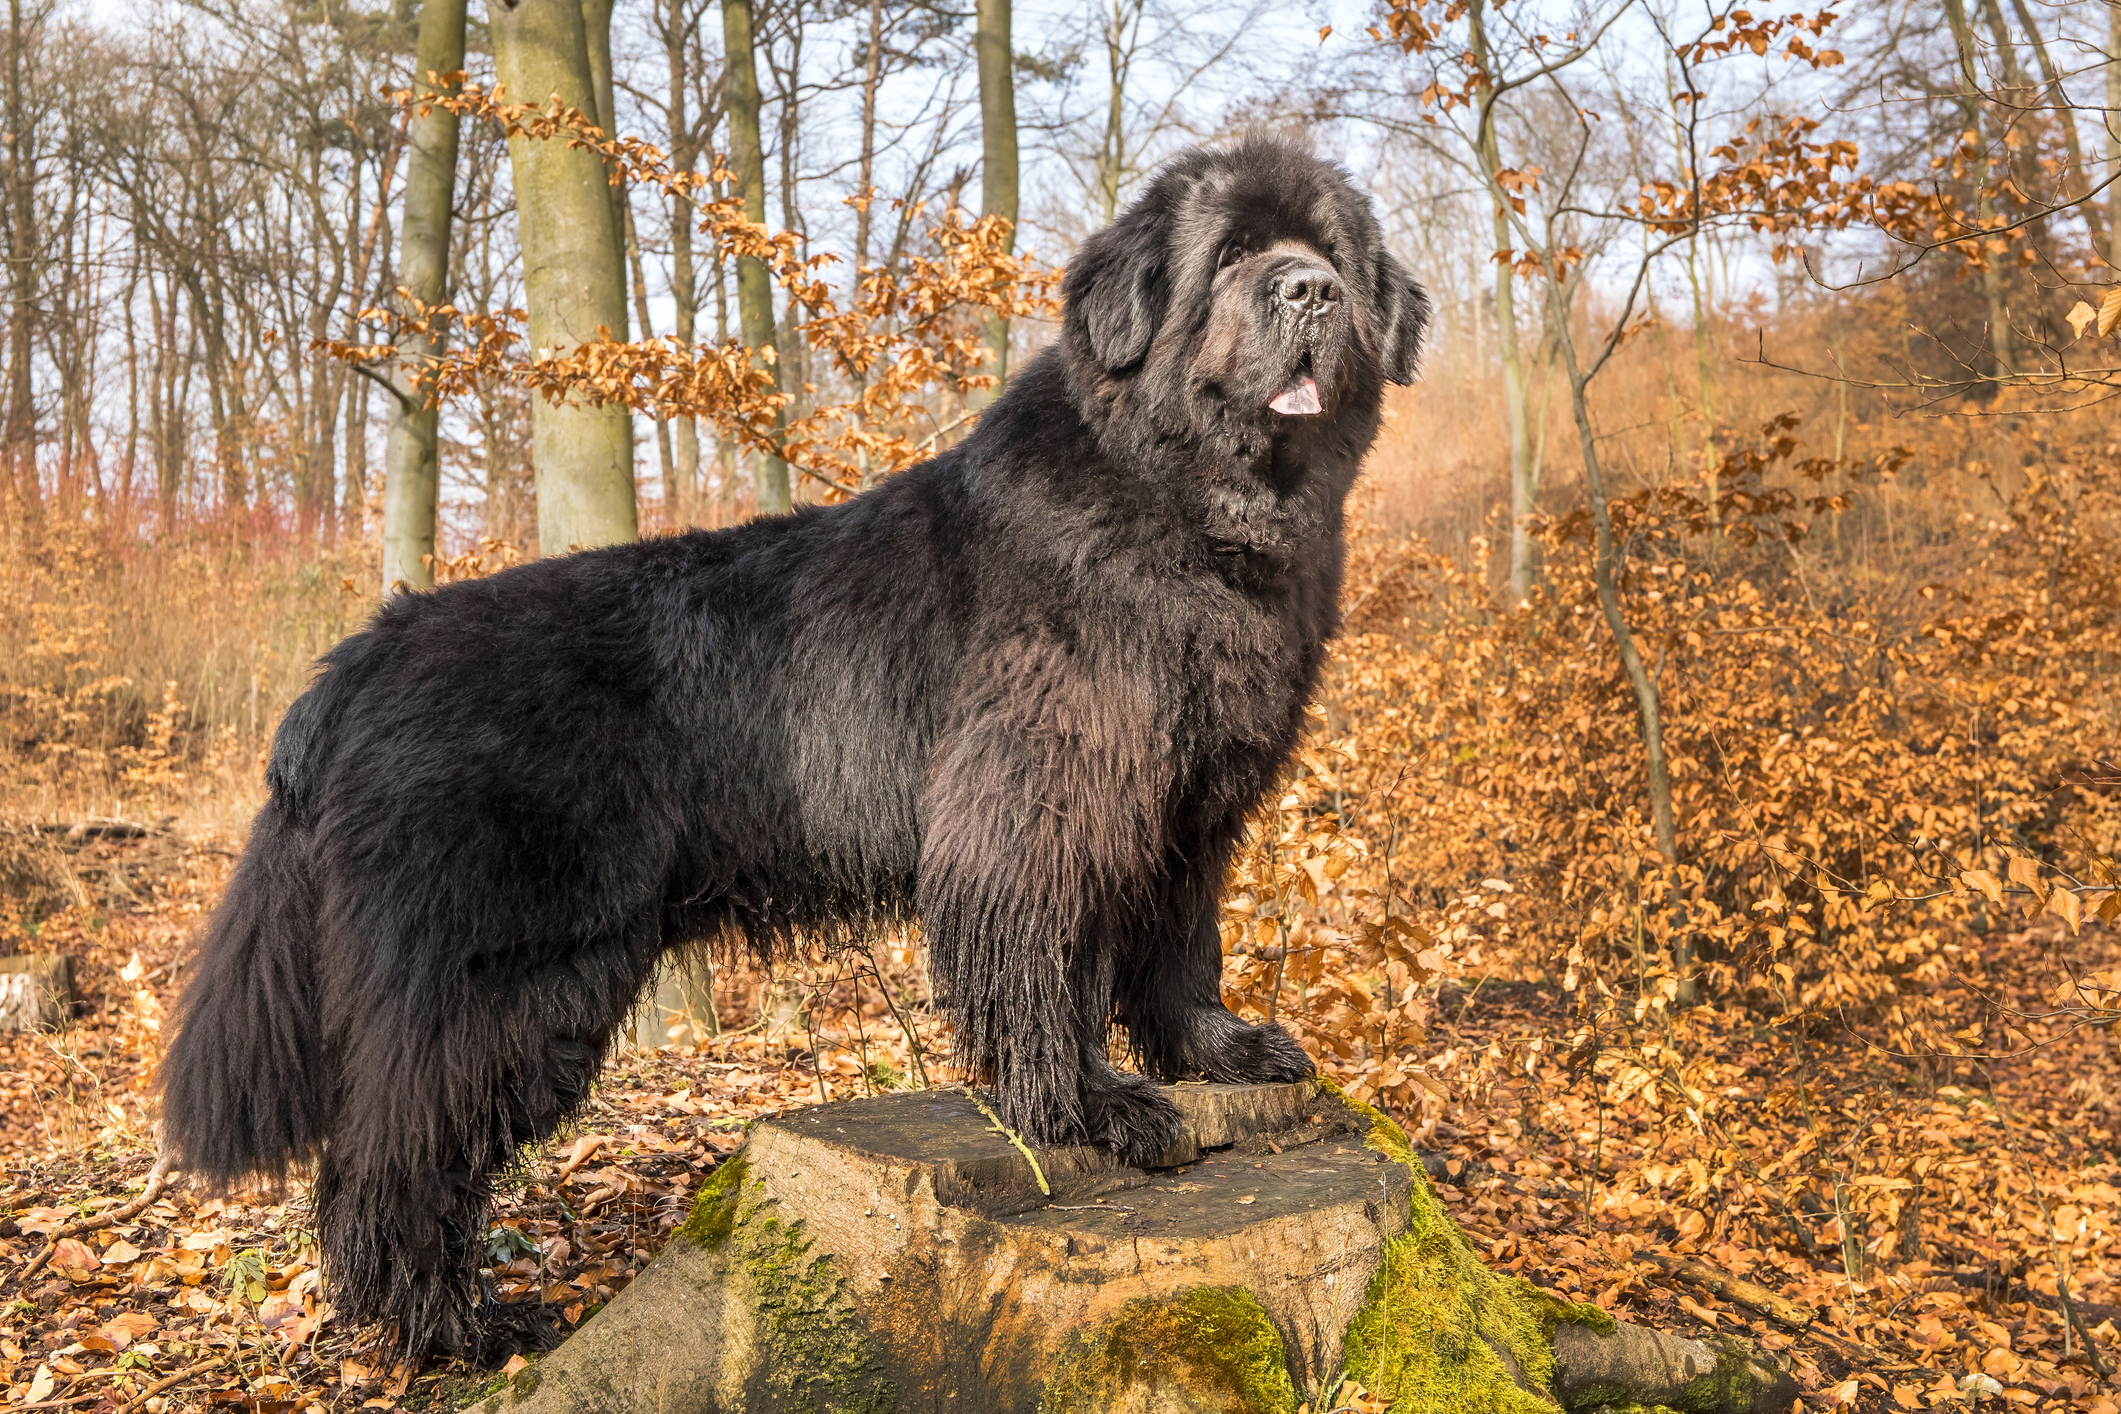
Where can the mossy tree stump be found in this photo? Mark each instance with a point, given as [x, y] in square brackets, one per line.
[897, 1254]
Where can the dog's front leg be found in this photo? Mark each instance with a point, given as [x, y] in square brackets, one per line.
[1170, 999]
[1031, 853]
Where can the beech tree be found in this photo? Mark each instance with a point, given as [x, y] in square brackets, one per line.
[998, 169]
[754, 284]
[574, 271]
[413, 463]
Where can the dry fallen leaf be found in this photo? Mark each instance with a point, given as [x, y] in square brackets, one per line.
[1698, 1311]
[71, 1255]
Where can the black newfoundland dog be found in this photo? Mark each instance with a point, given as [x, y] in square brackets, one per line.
[1026, 691]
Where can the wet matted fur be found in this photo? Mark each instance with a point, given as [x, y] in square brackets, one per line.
[1026, 691]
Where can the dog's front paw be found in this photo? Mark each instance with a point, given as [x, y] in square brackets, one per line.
[1260, 1055]
[1135, 1119]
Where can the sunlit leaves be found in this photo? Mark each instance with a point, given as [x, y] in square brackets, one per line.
[900, 336]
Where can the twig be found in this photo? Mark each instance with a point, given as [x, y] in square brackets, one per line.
[159, 1385]
[943, 431]
[157, 1180]
[1730, 1288]
[1011, 1135]
[913, 1037]
[95, 827]
[2070, 1318]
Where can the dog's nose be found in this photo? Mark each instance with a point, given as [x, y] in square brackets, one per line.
[1309, 289]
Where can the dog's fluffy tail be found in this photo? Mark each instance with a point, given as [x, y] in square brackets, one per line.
[245, 1088]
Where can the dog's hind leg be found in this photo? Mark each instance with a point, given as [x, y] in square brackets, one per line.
[1170, 999]
[450, 1085]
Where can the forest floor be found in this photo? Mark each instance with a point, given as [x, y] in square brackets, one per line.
[1998, 1182]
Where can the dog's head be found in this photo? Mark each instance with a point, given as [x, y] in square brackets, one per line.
[1244, 302]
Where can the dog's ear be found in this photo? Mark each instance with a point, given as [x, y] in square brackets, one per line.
[1117, 286]
[1402, 318]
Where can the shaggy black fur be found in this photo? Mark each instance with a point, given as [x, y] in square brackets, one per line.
[1027, 691]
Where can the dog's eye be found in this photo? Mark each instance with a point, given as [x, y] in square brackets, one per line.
[1232, 253]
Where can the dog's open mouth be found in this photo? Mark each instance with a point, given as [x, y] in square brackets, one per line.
[1300, 398]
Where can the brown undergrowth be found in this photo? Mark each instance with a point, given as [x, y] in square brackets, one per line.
[1791, 1143]
[1893, 1104]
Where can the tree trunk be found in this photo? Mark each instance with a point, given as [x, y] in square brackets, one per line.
[1112, 153]
[22, 263]
[1524, 489]
[2080, 174]
[724, 443]
[872, 77]
[898, 1253]
[754, 282]
[865, 180]
[684, 281]
[596, 33]
[2113, 135]
[664, 461]
[1649, 707]
[574, 281]
[412, 466]
[1970, 104]
[998, 166]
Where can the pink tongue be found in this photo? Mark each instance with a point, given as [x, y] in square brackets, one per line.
[1298, 399]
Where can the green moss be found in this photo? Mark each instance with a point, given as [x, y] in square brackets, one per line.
[714, 1212]
[1438, 1330]
[817, 1355]
[1728, 1386]
[1213, 1346]
[517, 1388]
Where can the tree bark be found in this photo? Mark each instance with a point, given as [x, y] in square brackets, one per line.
[1119, 59]
[684, 281]
[2113, 134]
[1649, 706]
[664, 461]
[998, 162]
[412, 466]
[2080, 174]
[1524, 487]
[754, 282]
[574, 278]
[1970, 104]
[22, 265]
[596, 32]
[872, 77]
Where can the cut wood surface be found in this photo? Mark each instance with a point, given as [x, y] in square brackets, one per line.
[896, 1253]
